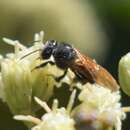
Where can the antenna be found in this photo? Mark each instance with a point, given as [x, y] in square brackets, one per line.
[34, 41]
[30, 53]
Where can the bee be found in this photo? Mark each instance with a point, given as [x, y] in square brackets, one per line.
[86, 69]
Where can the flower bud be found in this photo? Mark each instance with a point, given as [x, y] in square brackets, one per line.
[124, 73]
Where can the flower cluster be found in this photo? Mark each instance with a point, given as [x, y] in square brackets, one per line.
[55, 118]
[99, 108]
[18, 83]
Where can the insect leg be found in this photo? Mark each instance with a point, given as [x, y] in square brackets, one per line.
[62, 76]
[43, 65]
[80, 77]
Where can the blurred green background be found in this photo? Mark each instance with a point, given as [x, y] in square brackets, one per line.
[100, 29]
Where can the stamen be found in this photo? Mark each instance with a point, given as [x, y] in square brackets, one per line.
[43, 104]
[126, 109]
[71, 101]
[55, 105]
[13, 42]
[118, 124]
[28, 118]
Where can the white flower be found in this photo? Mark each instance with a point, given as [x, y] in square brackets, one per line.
[55, 119]
[18, 83]
[100, 108]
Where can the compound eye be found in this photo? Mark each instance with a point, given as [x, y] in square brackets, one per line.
[46, 53]
[66, 54]
[48, 49]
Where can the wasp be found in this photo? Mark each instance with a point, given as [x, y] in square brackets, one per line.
[86, 69]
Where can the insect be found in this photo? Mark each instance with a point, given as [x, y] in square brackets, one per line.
[86, 70]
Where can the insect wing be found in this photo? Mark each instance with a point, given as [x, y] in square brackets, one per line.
[94, 72]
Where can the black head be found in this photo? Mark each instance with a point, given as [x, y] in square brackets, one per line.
[48, 49]
[64, 55]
